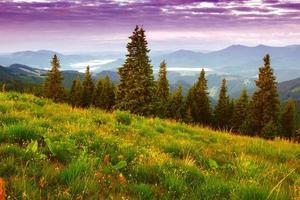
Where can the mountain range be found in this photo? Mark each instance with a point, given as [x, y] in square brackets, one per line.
[238, 64]
[234, 60]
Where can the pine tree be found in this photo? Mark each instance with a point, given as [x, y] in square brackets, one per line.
[87, 89]
[240, 112]
[296, 138]
[265, 102]
[231, 107]
[222, 110]
[75, 93]
[176, 105]
[136, 91]
[104, 95]
[97, 96]
[288, 120]
[162, 90]
[53, 85]
[162, 83]
[198, 101]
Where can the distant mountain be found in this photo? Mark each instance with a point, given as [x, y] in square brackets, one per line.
[235, 59]
[290, 89]
[27, 74]
[239, 60]
[41, 59]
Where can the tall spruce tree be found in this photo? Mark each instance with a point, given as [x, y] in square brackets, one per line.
[87, 89]
[176, 105]
[162, 90]
[198, 102]
[53, 85]
[75, 93]
[136, 91]
[104, 94]
[288, 119]
[265, 103]
[222, 110]
[240, 112]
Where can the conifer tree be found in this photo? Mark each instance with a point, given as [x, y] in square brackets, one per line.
[97, 96]
[136, 91]
[222, 110]
[176, 105]
[296, 138]
[198, 101]
[288, 120]
[162, 90]
[104, 95]
[163, 83]
[240, 112]
[53, 85]
[75, 93]
[231, 107]
[265, 102]
[87, 89]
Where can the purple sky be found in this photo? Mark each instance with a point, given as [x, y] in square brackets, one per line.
[104, 25]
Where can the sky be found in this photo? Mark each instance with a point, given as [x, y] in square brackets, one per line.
[104, 25]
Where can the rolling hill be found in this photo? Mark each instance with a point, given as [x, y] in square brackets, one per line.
[290, 89]
[26, 74]
[52, 151]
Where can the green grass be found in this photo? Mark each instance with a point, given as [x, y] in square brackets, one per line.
[52, 151]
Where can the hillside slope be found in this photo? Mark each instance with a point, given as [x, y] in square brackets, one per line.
[290, 89]
[51, 151]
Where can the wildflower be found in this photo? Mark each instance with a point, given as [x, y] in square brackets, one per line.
[122, 179]
[98, 174]
[106, 159]
[2, 189]
[42, 182]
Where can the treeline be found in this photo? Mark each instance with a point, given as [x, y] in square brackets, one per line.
[21, 86]
[139, 93]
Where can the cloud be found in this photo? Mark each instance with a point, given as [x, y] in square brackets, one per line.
[177, 19]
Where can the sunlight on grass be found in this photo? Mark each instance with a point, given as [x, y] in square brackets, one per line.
[52, 151]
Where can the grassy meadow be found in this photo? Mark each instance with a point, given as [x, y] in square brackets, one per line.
[52, 151]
